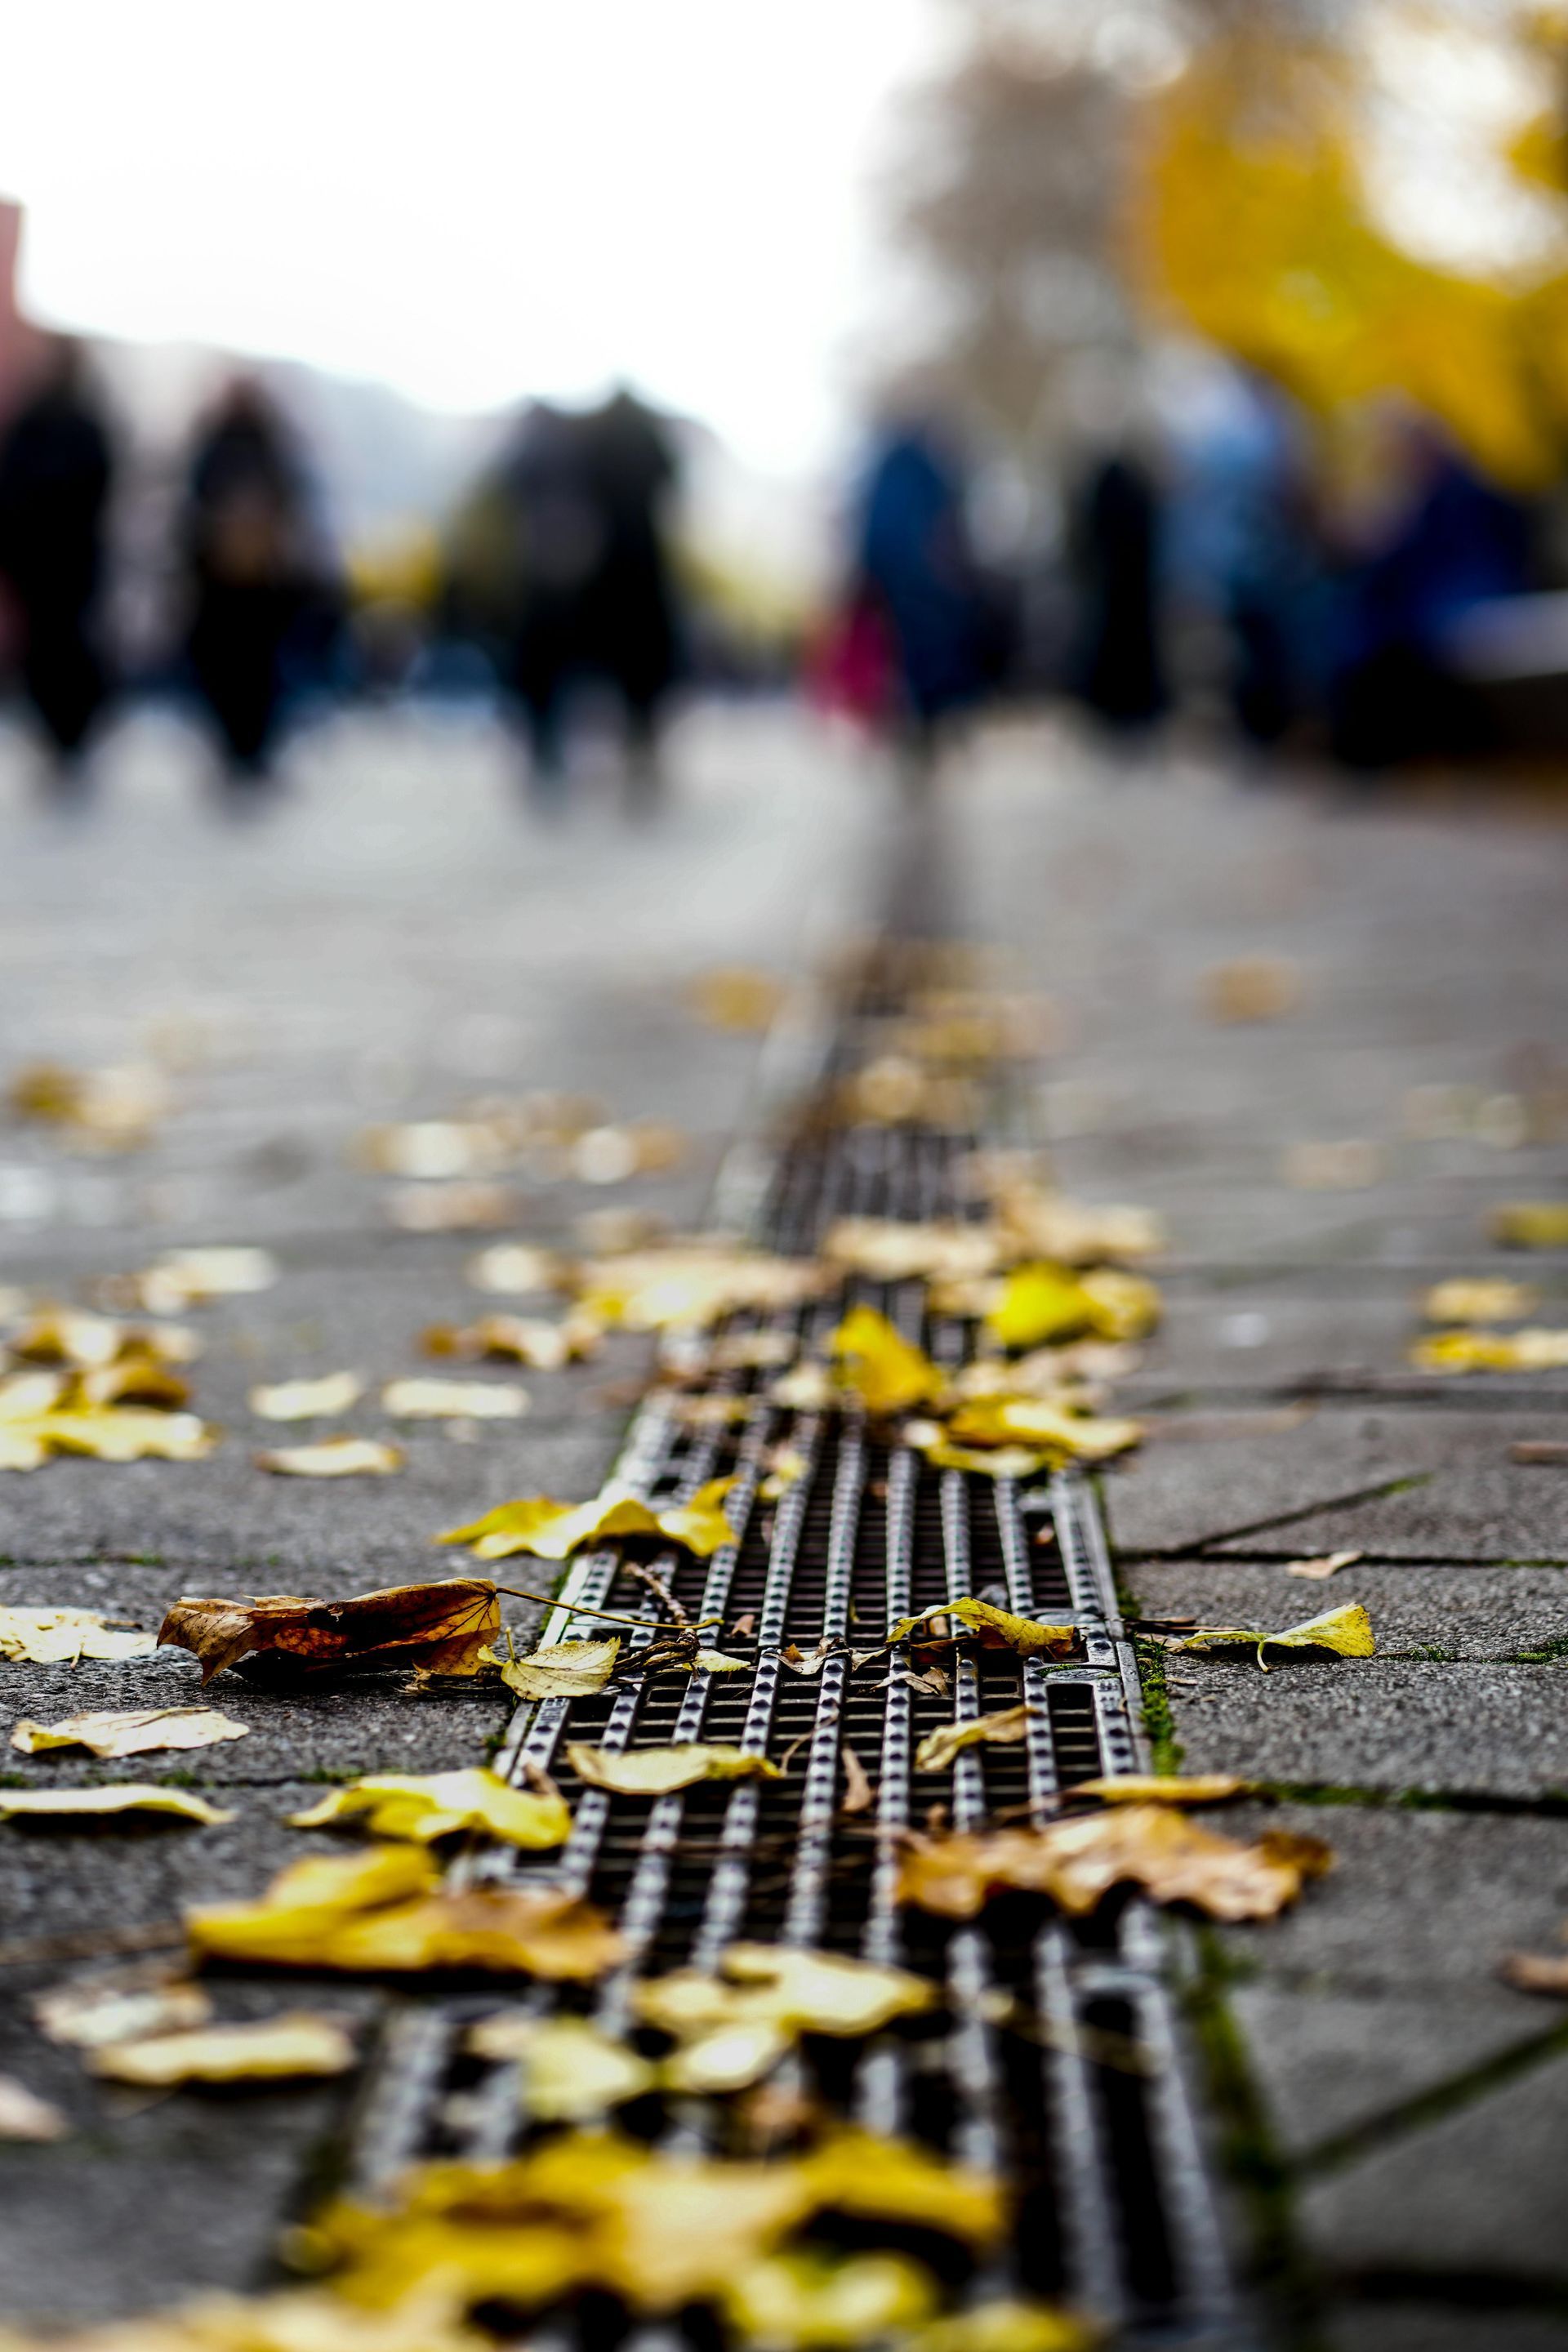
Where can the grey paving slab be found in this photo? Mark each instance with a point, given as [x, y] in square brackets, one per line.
[1485, 1612]
[1380, 1724]
[1433, 2326]
[1307, 1486]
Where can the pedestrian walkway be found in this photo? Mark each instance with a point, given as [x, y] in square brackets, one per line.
[395, 937]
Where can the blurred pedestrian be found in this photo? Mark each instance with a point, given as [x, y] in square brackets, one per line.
[252, 569]
[56, 470]
[595, 596]
[915, 571]
[1119, 671]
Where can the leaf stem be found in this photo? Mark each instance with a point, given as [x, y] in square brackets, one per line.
[582, 1609]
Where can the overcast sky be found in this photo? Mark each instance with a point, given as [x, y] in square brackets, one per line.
[472, 199]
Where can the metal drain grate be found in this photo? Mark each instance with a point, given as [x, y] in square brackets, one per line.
[1058, 2063]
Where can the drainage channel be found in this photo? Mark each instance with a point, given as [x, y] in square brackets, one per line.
[1060, 2062]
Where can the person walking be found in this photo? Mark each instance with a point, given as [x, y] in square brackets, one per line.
[57, 472]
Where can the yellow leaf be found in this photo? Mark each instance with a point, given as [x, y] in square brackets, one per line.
[24, 2116]
[734, 996]
[454, 1205]
[654, 1771]
[555, 1530]
[939, 1750]
[433, 1150]
[1007, 2328]
[1163, 1788]
[815, 2303]
[562, 1670]
[437, 1399]
[571, 2073]
[891, 2180]
[726, 2058]
[89, 1342]
[690, 1284]
[997, 1628]
[519, 1338]
[60, 1637]
[135, 1733]
[1030, 1223]
[386, 1910]
[124, 2005]
[1347, 1630]
[734, 2025]
[120, 1796]
[1034, 1421]
[438, 1804]
[1327, 1564]
[1531, 1224]
[512, 1269]
[193, 1278]
[716, 1662]
[1039, 1303]
[308, 2321]
[312, 1400]
[995, 1462]
[785, 1465]
[333, 1457]
[271, 2050]
[884, 1370]
[37, 1419]
[1535, 1349]
[1078, 1861]
[1252, 988]
[1486, 1300]
[890, 1252]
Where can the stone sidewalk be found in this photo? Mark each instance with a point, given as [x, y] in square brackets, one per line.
[396, 936]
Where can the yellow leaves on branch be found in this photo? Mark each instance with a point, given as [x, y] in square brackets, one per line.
[63, 1637]
[1346, 1631]
[438, 1804]
[121, 1797]
[555, 1530]
[875, 1363]
[273, 2048]
[1536, 1349]
[1077, 1862]
[657, 1771]
[138, 1732]
[333, 1457]
[443, 1628]
[387, 1910]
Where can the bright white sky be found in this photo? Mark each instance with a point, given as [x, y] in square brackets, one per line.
[471, 199]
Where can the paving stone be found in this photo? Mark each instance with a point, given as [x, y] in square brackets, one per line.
[1434, 2327]
[1377, 1724]
[1489, 1611]
[1220, 1470]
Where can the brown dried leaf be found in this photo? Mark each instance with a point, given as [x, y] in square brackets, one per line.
[858, 1794]
[441, 1627]
[1252, 988]
[62, 1637]
[1330, 1564]
[1078, 1861]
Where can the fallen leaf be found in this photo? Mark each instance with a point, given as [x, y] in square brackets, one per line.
[331, 1457]
[734, 996]
[433, 1149]
[1035, 1420]
[884, 1370]
[1161, 1788]
[437, 1804]
[656, 1771]
[86, 1341]
[1077, 1862]
[1539, 1450]
[715, 1662]
[1535, 1349]
[450, 1207]
[858, 1794]
[519, 1338]
[311, 2320]
[555, 1530]
[686, 1286]
[785, 1464]
[112, 1109]
[609, 1155]
[512, 1269]
[274, 2048]
[1350, 1166]
[450, 1399]
[1531, 1224]
[572, 2072]
[856, 2173]
[41, 1414]
[1251, 988]
[939, 1750]
[310, 1399]
[61, 1637]
[137, 1732]
[193, 1277]
[119, 1797]
[562, 1670]
[1544, 1972]
[1347, 1631]
[733, 2025]
[995, 1629]
[24, 2116]
[123, 2005]
[811, 2302]
[1032, 1223]
[1485, 1299]
[1007, 2328]
[441, 1627]
[1014, 1462]
[1330, 1564]
[135, 1378]
[889, 1250]
[806, 1387]
[385, 1910]
[1039, 1303]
